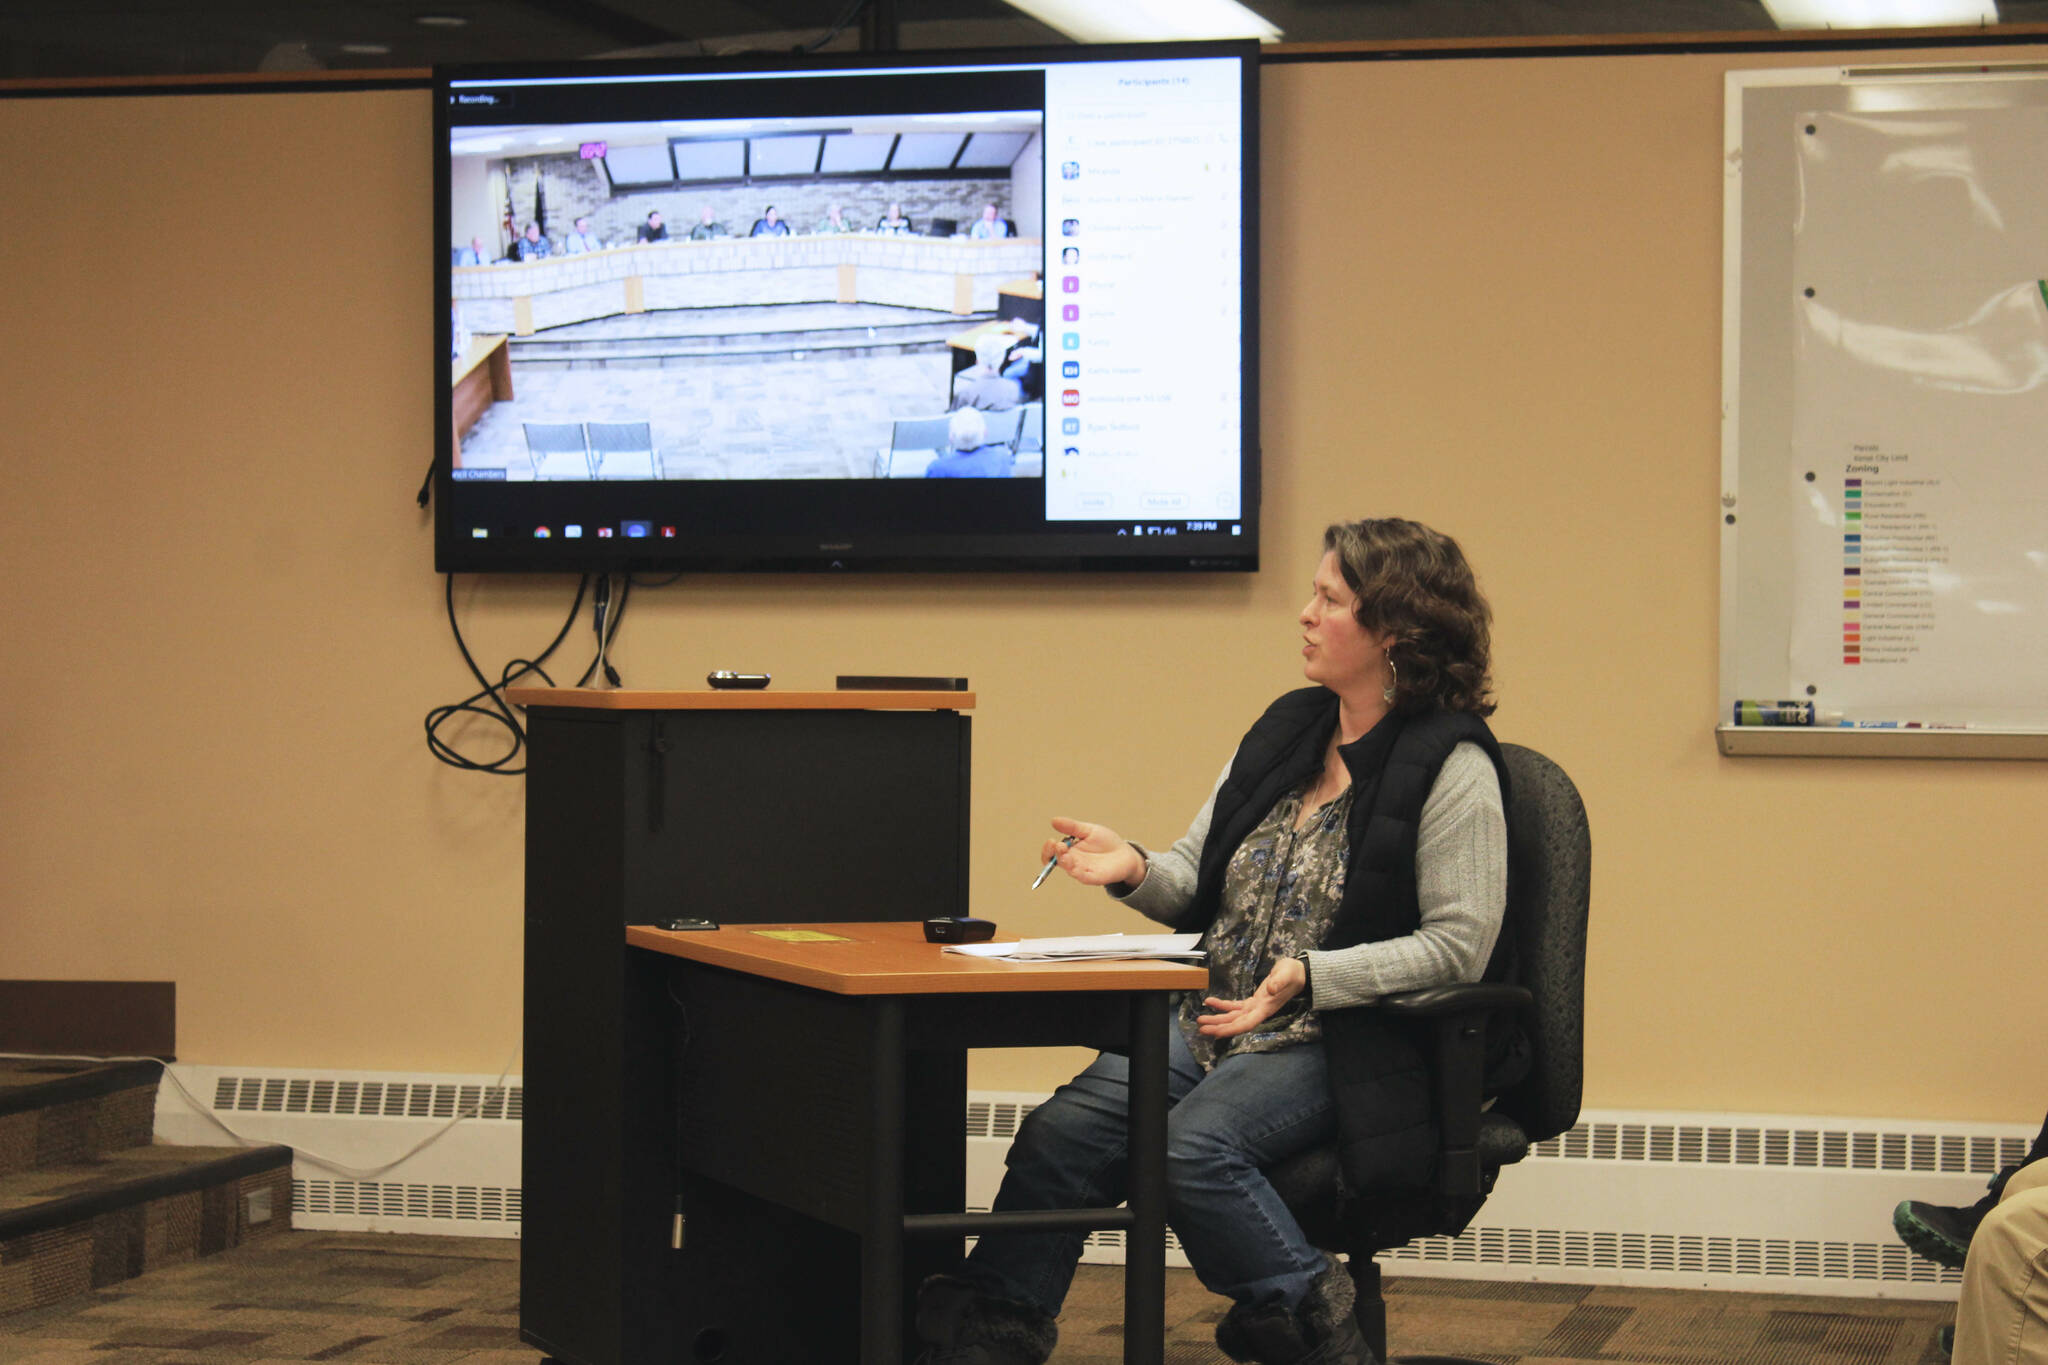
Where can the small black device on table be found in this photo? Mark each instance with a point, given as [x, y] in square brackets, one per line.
[959, 929]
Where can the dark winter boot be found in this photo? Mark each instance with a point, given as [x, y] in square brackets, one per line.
[1318, 1331]
[961, 1325]
[1940, 1233]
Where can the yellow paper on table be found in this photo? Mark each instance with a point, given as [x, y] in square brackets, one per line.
[802, 936]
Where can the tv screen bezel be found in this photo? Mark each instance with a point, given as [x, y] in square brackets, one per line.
[1047, 549]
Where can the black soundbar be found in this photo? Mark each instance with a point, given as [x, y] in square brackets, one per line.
[865, 682]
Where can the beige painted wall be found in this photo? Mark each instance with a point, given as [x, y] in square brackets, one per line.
[1492, 301]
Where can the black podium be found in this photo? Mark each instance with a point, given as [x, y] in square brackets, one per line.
[737, 807]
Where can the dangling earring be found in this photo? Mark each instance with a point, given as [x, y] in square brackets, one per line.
[1393, 677]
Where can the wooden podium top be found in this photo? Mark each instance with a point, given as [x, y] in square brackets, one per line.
[892, 958]
[759, 699]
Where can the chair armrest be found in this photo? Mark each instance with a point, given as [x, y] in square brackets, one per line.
[1482, 996]
[1457, 1016]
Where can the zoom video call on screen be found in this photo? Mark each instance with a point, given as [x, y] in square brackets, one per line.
[974, 313]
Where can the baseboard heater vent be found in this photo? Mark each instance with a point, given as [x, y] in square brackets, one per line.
[366, 1099]
[1787, 1203]
[391, 1201]
[1782, 1203]
[463, 1131]
[1663, 1253]
[1833, 1149]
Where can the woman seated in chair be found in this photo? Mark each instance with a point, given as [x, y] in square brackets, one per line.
[1355, 846]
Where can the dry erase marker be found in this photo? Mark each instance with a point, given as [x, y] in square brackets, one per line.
[1782, 713]
[1053, 861]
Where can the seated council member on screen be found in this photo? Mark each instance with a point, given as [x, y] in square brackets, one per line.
[834, 221]
[581, 240]
[990, 224]
[708, 228]
[971, 457]
[893, 221]
[1354, 846]
[473, 254]
[653, 230]
[770, 224]
[533, 246]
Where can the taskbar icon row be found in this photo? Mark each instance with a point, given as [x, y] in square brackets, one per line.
[625, 530]
[647, 530]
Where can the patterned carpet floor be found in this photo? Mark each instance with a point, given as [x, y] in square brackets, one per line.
[391, 1300]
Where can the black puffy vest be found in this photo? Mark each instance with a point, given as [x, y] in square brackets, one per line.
[1378, 1077]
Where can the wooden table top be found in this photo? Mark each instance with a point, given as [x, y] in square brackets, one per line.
[868, 958]
[737, 699]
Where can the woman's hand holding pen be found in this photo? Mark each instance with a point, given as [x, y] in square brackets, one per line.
[1093, 855]
[1228, 1018]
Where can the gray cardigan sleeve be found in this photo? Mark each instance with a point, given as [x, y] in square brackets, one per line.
[1461, 872]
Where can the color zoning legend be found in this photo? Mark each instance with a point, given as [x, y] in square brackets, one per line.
[1852, 571]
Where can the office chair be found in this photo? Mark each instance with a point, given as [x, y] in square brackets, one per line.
[1549, 865]
[559, 450]
[622, 450]
[942, 227]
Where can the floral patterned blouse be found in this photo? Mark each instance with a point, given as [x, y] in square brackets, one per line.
[1280, 897]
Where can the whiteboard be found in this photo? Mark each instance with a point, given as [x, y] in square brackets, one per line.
[1885, 423]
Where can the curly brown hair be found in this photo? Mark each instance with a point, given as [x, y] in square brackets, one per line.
[1414, 584]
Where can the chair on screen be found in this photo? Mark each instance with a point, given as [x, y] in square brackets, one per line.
[559, 450]
[622, 450]
[1031, 428]
[914, 442]
[1002, 426]
[942, 227]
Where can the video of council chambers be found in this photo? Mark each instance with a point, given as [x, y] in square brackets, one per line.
[799, 298]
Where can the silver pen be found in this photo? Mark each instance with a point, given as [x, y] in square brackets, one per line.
[1054, 860]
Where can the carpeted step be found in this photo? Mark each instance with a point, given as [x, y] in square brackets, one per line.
[56, 1113]
[69, 1228]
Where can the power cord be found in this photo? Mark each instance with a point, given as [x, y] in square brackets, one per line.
[324, 1162]
[499, 712]
[677, 1055]
[606, 628]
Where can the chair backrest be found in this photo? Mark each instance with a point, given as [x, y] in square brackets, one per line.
[942, 227]
[1550, 858]
[620, 438]
[920, 433]
[1002, 426]
[1030, 428]
[555, 438]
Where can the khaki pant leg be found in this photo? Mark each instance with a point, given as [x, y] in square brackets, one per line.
[2002, 1318]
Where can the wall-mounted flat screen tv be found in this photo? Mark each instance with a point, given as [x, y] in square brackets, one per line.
[951, 310]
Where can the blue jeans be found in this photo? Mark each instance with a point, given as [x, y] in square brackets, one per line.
[1252, 1111]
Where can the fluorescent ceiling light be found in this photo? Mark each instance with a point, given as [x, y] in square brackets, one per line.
[1881, 13]
[1148, 21]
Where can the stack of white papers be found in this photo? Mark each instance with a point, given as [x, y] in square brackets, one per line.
[1089, 947]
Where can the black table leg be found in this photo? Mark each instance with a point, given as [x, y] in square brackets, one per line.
[1145, 1251]
[881, 1252]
